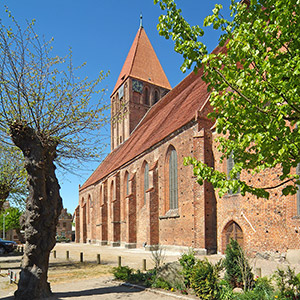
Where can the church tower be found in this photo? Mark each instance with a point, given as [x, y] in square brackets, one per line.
[141, 83]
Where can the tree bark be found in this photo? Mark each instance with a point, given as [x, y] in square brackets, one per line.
[43, 207]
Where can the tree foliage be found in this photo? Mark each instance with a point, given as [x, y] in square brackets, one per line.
[49, 114]
[12, 176]
[254, 82]
[12, 218]
[41, 90]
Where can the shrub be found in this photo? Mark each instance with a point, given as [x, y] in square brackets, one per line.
[288, 284]
[160, 283]
[187, 261]
[238, 271]
[122, 273]
[137, 277]
[205, 279]
[225, 291]
[262, 290]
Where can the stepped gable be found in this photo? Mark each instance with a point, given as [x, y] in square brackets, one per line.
[172, 112]
[142, 63]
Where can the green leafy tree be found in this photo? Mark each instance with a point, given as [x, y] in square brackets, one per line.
[254, 82]
[49, 114]
[12, 221]
[12, 177]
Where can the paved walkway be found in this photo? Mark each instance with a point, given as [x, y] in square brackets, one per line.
[103, 288]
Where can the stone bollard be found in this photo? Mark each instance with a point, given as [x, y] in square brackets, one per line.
[98, 259]
[67, 255]
[144, 265]
[81, 257]
[54, 253]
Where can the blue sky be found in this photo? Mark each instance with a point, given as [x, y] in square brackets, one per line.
[100, 33]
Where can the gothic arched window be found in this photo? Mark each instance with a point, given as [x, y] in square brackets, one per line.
[173, 186]
[156, 96]
[146, 179]
[146, 96]
[230, 165]
[126, 183]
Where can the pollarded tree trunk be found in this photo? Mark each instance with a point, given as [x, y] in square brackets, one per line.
[43, 208]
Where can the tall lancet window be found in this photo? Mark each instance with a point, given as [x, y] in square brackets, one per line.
[146, 96]
[156, 96]
[146, 180]
[173, 186]
[230, 165]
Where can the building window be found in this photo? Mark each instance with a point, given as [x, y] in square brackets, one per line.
[230, 165]
[112, 192]
[101, 202]
[173, 187]
[146, 180]
[64, 224]
[156, 97]
[127, 183]
[146, 96]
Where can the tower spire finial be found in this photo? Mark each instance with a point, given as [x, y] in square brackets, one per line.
[141, 20]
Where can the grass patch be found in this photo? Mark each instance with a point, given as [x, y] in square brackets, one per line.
[75, 271]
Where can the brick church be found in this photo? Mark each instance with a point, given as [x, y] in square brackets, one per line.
[141, 195]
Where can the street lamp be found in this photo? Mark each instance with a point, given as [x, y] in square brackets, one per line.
[4, 215]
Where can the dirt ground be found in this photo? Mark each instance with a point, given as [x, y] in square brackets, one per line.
[71, 279]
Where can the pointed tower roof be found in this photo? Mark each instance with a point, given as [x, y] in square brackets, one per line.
[142, 63]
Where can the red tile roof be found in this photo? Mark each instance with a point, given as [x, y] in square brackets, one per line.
[142, 63]
[172, 112]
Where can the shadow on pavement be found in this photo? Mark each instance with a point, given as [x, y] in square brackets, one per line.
[94, 292]
[91, 292]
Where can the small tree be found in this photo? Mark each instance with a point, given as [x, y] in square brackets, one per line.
[12, 221]
[158, 256]
[238, 271]
[48, 113]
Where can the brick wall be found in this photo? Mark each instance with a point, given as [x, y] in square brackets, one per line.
[152, 222]
[203, 220]
[267, 224]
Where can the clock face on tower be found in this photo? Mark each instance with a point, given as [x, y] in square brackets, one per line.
[137, 86]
